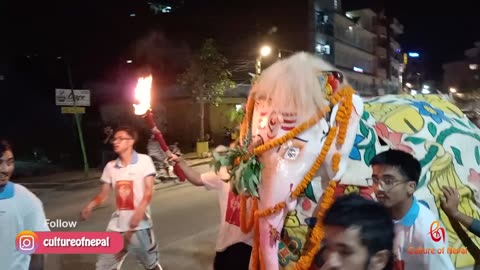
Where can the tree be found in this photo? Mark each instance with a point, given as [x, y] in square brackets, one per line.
[207, 79]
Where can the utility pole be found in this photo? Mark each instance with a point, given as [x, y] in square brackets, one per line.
[77, 121]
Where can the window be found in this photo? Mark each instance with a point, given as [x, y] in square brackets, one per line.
[322, 48]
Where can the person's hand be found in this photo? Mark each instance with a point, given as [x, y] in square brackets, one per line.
[136, 218]
[173, 159]
[86, 211]
[108, 130]
[449, 201]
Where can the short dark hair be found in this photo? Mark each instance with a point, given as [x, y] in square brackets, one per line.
[129, 130]
[408, 165]
[4, 146]
[372, 218]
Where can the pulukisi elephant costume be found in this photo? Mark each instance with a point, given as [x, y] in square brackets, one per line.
[307, 137]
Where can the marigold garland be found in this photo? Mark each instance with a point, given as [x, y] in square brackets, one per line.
[255, 260]
[272, 210]
[247, 118]
[318, 233]
[246, 226]
[344, 112]
[336, 161]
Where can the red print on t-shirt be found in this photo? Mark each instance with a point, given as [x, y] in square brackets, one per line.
[124, 194]
[233, 210]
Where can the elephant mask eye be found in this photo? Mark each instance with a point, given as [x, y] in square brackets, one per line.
[291, 149]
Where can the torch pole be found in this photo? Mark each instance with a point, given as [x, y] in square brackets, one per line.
[148, 116]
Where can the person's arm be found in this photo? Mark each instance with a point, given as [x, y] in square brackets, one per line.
[98, 200]
[475, 227]
[102, 196]
[142, 207]
[449, 204]
[192, 176]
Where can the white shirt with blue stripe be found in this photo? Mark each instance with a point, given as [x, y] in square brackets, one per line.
[20, 210]
[412, 232]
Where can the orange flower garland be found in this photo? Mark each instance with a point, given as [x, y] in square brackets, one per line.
[272, 210]
[317, 233]
[344, 111]
[336, 161]
[247, 119]
[246, 226]
[255, 260]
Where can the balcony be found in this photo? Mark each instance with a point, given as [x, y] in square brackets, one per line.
[355, 37]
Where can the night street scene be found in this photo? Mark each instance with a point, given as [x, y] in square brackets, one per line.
[239, 135]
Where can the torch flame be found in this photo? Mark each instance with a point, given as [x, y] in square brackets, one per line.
[142, 95]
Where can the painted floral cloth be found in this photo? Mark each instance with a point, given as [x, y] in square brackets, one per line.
[436, 132]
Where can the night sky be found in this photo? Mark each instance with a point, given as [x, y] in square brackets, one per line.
[98, 36]
[99, 30]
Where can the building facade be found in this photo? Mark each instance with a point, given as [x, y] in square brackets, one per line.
[461, 79]
[362, 44]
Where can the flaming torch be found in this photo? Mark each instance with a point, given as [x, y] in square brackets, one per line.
[142, 95]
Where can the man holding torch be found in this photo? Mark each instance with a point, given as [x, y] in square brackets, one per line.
[233, 245]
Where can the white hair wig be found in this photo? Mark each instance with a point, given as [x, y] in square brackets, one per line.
[293, 84]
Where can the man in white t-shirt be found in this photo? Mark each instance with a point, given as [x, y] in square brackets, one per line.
[418, 234]
[132, 178]
[233, 246]
[20, 210]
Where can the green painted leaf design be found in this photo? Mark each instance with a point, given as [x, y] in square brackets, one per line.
[422, 181]
[369, 154]
[415, 140]
[432, 129]
[458, 155]
[477, 155]
[460, 122]
[365, 115]
[363, 129]
[309, 193]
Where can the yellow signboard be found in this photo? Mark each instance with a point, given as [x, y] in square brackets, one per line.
[405, 59]
[73, 110]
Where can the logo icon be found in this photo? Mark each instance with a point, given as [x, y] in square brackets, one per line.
[437, 233]
[26, 242]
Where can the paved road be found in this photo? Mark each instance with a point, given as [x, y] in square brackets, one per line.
[185, 217]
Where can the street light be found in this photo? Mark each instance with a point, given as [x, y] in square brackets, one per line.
[453, 90]
[264, 52]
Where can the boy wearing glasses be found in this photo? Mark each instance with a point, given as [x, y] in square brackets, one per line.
[395, 177]
[131, 176]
